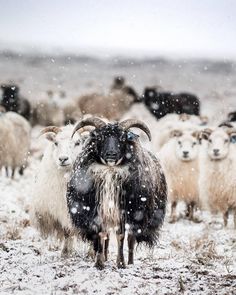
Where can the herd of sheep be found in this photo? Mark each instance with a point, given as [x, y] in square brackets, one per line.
[99, 172]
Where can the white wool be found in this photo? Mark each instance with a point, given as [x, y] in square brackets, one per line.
[172, 122]
[217, 182]
[49, 191]
[108, 182]
[182, 176]
[16, 133]
[22, 135]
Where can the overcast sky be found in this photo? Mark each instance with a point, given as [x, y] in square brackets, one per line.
[191, 28]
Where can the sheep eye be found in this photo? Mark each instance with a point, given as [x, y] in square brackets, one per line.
[131, 136]
[226, 141]
[194, 143]
[56, 143]
[210, 140]
[233, 139]
[77, 143]
[179, 142]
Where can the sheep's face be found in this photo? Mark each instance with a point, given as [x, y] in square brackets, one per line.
[112, 144]
[218, 144]
[186, 147]
[65, 150]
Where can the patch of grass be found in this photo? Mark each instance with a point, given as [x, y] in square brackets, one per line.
[205, 250]
[13, 233]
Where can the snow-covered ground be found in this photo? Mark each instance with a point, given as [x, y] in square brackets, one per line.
[192, 258]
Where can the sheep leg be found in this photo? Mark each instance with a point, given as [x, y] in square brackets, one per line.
[173, 217]
[98, 249]
[120, 236]
[68, 244]
[12, 173]
[235, 218]
[225, 217]
[189, 212]
[91, 253]
[106, 247]
[7, 171]
[21, 170]
[131, 242]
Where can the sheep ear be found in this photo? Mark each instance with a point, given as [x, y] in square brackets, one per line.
[204, 120]
[196, 134]
[176, 133]
[204, 134]
[50, 136]
[184, 117]
[226, 125]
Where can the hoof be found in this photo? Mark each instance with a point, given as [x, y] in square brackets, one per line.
[120, 264]
[131, 261]
[120, 261]
[99, 264]
[196, 220]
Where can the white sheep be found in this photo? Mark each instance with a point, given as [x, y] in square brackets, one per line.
[15, 133]
[48, 204]
[179, 158]
[217, 182]
[170, 122]
[22, 132]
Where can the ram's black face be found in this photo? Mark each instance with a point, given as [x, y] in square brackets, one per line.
[113, 144]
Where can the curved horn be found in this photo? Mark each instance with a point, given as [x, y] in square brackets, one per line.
[129, 123]
[95, 122]
[53, 129]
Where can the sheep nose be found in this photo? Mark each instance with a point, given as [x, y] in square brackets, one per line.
[216, 151]
[63, 159]
[185, 153]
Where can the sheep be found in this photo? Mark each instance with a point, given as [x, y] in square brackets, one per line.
[179, 158]
[22, 134]
[48, 210]
[68, 106]
[12, 101]
[116, 183]
[217, 182]
[15, 132]
[162, 103]
[111, 106]
[46, 112]
[170, 122]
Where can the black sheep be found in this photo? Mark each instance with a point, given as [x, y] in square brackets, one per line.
[12, 101]
[115, 183]
[163, 103]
